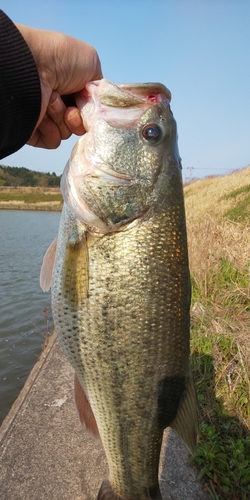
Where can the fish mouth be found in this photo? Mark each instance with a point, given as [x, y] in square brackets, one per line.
[125, 94]
[111, 100]
[149, 92]
[128, 94]
[120, 106]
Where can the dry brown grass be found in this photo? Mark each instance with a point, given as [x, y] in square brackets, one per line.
[29, 198]
[213, 240]
[206, 197]
[29, 189]
[219, 253]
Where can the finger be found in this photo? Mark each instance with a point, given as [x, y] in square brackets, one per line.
[73, 120]
[56, 109]
[47, 135]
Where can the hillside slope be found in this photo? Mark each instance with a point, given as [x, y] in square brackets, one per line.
[218, 223]
[21, 176]
[227, 196]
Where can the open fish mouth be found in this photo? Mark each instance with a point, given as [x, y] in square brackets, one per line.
[128, 94]
[129, 99]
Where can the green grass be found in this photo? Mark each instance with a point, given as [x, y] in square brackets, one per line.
[236, 192]
[224, 442]
[222, 382]
[227, 462]
[30, 197]
[241, 210]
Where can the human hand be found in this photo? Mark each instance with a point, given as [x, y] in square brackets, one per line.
[65, 65]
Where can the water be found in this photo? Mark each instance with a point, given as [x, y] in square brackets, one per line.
[25, 312]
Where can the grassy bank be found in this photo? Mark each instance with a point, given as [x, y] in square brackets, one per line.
[29, 198]
[218, 212]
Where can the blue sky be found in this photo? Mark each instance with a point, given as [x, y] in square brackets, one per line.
[200, 49]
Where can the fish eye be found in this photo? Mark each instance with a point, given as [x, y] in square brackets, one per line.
[151, 132]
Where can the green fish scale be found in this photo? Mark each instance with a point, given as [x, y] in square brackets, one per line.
[129, 335]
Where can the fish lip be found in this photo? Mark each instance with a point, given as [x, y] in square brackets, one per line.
[111, 94]
[143, 88]
[104, 94]
[135, 93]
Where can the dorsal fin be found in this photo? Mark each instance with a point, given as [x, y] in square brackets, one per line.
[47, 267]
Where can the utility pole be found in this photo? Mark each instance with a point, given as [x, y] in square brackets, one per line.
[190, 172]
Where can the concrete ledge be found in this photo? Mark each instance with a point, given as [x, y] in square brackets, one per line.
[46, 455]
[6, 424]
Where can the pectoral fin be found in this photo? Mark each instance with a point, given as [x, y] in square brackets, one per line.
[85, 412]
[47, 267]
[186, 422]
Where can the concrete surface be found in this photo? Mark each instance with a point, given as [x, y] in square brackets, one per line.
[46, 455]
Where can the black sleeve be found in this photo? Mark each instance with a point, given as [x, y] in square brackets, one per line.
[20, 91]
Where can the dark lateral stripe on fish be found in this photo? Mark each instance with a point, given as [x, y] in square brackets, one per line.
[171, 390]
[106, 493]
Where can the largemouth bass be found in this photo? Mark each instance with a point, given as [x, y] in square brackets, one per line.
[120, 286]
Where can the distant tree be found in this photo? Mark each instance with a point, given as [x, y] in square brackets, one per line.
[54, 181]
[21, 176]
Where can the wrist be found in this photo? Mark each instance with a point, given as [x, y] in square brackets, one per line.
[35, 40]
[43, 60]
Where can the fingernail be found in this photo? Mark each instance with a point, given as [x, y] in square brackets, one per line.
[74, 118]
[56, 102]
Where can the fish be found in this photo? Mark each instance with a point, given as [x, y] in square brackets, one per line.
[120, 282]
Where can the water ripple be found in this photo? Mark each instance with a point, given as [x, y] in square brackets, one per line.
[25, 310]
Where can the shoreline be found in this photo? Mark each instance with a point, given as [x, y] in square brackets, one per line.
[36, 207]
[30, 198]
